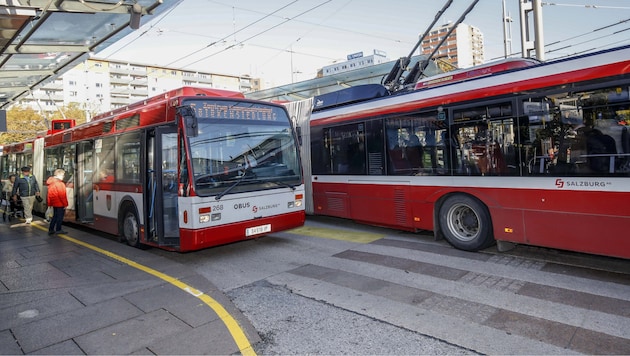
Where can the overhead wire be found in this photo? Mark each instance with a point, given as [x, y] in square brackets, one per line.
[303, 35]
[232, 34]
[261, 32]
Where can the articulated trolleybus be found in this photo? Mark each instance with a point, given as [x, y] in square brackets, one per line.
[517, 152]
[185, 170]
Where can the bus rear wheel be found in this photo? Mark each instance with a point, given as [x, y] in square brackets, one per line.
[131, 229]
[466, 223]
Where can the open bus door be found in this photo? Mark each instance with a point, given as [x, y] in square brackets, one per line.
[83, 182]
[161, 198]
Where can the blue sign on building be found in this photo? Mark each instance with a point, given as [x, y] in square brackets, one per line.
[355, 55]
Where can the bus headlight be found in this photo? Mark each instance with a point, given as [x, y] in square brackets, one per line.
[204, 218]
[297, 202]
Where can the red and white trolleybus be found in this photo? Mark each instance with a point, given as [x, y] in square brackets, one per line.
[513, 152]
[185, 170]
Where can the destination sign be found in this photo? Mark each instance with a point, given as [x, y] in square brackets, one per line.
[208, 109]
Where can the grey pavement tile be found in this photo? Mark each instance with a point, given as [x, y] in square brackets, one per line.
[125, 272]
[51, 246]
[67, 347]
[195, 312]
[8, 255]
[65, 326]
[133, 334]
[8, 344]
[174, 269]
[185, 306]
[92, 294]
[142, 351]
[37, 309]
[39, 276]
[9, 264]
[46, 258]
[11, 299]
[161, 296]
[209, 339]
[82, 262]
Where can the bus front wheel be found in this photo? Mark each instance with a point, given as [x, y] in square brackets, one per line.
[130, 229]
[466, 223]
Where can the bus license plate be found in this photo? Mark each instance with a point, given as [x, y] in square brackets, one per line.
[256, 230]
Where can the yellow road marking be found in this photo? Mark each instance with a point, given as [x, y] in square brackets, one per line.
[337, 234]
[232, 325]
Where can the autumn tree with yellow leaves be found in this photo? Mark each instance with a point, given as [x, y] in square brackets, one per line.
[24, 122]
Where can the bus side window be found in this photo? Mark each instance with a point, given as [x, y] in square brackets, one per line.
[106, 159]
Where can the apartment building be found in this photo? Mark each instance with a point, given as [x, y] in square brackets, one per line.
[101, 85]
[463, 47]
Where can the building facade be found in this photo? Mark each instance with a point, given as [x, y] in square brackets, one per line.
[101, 85]
[463, 47]
[354, 61]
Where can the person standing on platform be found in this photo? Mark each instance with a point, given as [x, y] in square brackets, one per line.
[27, 188]
[58, 199]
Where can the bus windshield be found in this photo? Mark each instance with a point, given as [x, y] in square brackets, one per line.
[243, 155]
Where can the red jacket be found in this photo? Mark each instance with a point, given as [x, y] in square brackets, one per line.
[56, 193]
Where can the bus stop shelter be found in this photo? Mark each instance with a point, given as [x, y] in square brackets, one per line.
[42, 39]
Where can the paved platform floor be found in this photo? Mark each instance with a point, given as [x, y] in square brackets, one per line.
[59, 297]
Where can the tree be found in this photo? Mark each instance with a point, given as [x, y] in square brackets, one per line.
[23, 123]
[71, 111]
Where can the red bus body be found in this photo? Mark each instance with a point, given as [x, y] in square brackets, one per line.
[520, 159]
[170, 172]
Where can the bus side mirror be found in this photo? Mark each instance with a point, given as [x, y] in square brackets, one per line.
[298, 131]
[191, 125]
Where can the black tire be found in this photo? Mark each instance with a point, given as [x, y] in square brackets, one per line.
[131, 229]
[465, 223]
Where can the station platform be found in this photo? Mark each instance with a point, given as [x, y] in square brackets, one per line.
[78, 293]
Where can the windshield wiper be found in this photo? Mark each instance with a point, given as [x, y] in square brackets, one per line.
[283, 184]
[238, 181]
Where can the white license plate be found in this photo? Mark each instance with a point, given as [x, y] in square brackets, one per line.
[256, 230]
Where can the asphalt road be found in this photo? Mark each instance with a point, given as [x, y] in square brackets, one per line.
[335, 287]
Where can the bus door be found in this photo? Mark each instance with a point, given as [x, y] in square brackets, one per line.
[161, 200]
[83, 182]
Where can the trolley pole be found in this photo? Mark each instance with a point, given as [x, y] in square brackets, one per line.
[527, 7]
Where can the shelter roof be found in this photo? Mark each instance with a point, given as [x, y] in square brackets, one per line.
[42, 39]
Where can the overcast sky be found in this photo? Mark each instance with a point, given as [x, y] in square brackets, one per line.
[282, 41]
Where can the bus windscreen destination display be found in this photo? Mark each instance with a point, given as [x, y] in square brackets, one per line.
[214, 109]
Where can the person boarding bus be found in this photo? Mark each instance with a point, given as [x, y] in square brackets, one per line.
[58, 200]
[27, 188]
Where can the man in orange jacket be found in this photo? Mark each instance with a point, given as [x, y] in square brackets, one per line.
[58, 199]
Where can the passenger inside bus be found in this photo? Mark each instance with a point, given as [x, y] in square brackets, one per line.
[415, 153]
[106, 176]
